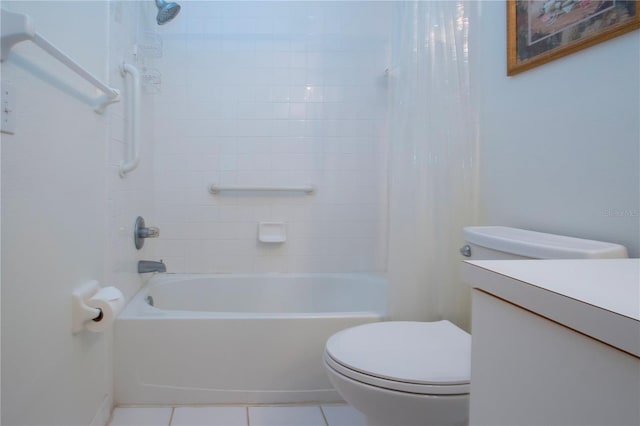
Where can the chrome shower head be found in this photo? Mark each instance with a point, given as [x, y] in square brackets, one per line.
[166, 11]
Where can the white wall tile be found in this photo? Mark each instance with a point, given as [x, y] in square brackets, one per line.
[275, 94]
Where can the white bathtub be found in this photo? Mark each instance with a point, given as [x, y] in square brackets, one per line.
[231, 338]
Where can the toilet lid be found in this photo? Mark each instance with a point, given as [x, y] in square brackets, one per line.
[420, 353]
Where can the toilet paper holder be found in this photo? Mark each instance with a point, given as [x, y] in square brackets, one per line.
[81, 313]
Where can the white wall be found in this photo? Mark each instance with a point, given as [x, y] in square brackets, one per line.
[560, 144]
[272, 93]
[67, 216]
[53, 221]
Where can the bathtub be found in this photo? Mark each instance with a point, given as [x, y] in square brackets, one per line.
[227, 338]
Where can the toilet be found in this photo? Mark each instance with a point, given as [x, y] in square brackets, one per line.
[405, 373]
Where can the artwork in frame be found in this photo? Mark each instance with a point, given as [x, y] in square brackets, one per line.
[539, 31]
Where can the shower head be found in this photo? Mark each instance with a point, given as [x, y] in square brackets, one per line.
[166, 11]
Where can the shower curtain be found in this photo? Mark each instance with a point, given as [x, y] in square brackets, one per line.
[432, 158]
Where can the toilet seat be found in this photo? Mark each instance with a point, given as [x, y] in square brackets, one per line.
[432, 358]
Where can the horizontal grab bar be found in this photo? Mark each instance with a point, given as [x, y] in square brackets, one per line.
[307, 189]
[17, 27]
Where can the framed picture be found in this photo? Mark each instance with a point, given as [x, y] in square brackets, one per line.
[539, 31]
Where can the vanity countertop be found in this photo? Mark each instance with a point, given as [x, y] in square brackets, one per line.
[596, 297]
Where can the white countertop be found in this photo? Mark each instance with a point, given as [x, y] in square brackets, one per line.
[597, 297]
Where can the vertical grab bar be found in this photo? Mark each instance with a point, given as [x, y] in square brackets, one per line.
[133, 107]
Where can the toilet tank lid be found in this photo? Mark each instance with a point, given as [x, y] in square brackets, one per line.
[539, 245]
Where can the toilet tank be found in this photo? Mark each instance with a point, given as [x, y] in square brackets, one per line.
[501, 242]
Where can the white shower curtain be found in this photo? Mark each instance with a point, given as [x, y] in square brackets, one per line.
[432, 159]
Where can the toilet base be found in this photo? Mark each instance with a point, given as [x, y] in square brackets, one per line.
[385, 407]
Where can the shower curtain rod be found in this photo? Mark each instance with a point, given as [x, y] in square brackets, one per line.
[17, 27]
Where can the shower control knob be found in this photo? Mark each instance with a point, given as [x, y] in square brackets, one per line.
[141, 232]
[150, 232]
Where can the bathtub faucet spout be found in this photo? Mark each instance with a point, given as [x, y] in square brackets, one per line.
[145, 266]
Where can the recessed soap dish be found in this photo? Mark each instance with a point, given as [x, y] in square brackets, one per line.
[272, 232]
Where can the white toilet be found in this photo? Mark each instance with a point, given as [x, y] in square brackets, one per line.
[404, 373]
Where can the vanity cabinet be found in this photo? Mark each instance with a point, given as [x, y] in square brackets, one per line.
[555, 342]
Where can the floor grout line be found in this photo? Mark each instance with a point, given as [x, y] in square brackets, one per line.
[173, 410]
[324, 416]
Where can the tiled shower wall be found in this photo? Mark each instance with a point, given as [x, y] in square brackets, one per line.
[271, 93]
[130, 196]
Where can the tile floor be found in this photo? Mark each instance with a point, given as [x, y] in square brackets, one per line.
[262, 415]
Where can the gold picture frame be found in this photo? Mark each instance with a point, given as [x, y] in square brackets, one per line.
[539, 31]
